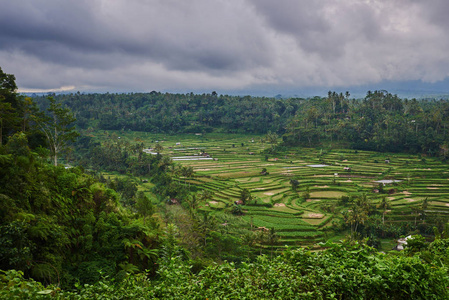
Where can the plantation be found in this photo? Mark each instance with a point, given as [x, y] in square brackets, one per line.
[306, 215]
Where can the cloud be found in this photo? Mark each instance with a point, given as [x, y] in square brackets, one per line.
[139, 45]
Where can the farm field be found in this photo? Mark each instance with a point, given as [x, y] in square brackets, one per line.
[231, 163]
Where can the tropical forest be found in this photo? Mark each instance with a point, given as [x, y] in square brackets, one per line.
[208, 196]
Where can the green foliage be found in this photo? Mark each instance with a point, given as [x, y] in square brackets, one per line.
[57, 126]
[14, 286]
[295, 184]
[342, 271]
[245, 195]
[380, 122]
[61, 226]
[415, 244]
[175, 113]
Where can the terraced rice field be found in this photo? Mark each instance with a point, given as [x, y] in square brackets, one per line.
[302, 217]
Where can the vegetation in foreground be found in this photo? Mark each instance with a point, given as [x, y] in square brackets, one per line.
[343, 271]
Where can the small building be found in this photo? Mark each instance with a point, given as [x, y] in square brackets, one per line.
[173, 201]
[263, 228]
[401, 243]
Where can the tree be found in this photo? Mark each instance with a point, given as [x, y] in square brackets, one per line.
[193, 202]
[384, 205]
[205, 195]
[272, 239]
[272, 138]
[6, 116]
[207, 224]
[158, 148]
[143, 205]
[237, 209]
[295, 184]
[355, 217]
[8, 101]
[245, 195]
[424, 205]
[358, 214]
[58, 128]
[187, 172]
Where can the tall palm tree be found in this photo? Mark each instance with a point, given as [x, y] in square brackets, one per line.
[384, 205]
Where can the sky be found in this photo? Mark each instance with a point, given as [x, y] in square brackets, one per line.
[256, 47]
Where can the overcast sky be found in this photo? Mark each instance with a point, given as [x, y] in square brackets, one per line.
[222, 45]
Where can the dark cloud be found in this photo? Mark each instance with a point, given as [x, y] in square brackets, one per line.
[176, 35]
[213, 44]
[321, 27]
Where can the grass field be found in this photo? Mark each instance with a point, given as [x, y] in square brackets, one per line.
[237, 162]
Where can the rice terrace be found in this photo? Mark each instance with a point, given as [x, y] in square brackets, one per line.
[184, 196]
[312, 211]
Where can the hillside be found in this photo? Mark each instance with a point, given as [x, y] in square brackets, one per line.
[139, 212]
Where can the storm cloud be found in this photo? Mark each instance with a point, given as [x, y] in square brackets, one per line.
[168, 45]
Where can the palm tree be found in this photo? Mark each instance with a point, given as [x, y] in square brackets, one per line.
[272, 138]
[424, 206]
[158, 148]
[356, 217]
[207, 224]
[384, 205]
[187, 172]
[272, 239]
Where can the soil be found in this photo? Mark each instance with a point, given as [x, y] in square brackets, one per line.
[315, 215]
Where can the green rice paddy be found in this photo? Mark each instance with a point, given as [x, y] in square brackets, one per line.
[300, 218]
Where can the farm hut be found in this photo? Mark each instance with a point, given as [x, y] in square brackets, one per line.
[401, 243]
[173, 201]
